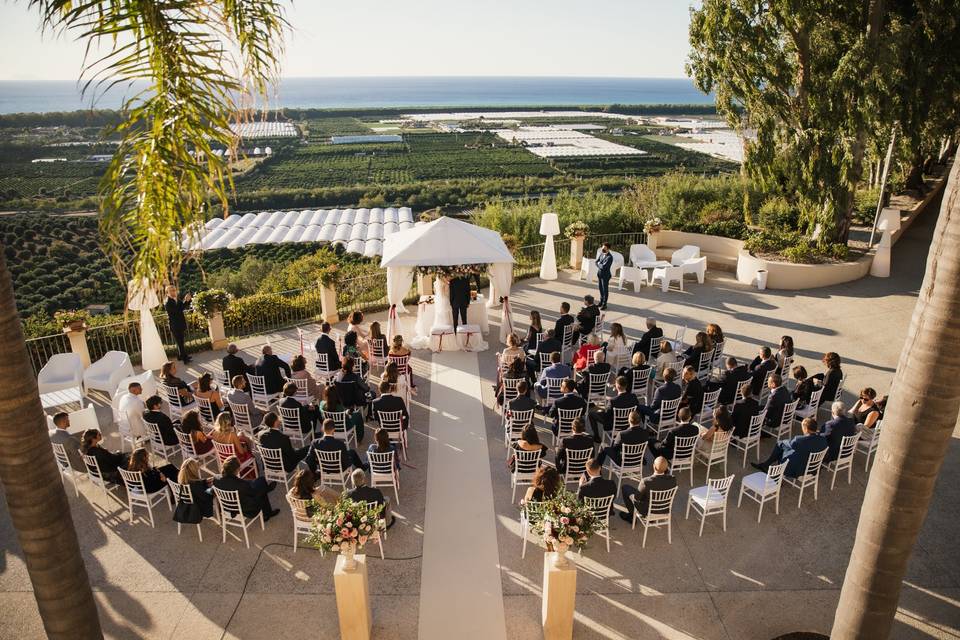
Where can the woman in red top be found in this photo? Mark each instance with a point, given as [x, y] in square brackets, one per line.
[584, 356]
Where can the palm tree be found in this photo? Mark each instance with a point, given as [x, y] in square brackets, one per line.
[917, 428]
[192, 65]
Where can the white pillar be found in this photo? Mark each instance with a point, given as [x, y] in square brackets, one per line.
[559, 597]
[353, 599]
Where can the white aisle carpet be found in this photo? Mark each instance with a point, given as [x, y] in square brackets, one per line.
[460, 591]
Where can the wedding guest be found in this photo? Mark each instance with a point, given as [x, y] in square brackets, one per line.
[594, 485]
[351, 385]
[224, 432]
[547, 346]
[665, 358]
[399, 349]
[715, 333]
[651, 335]
[763, 365]
[329, 442]
[638, 367]
[545, 484]
[201, 505]
[513, 351]
[253, 494]
[108, 462]
[692, 396]
[556, 369]
[733, 376]
[299, 368]
[154, 415]
[586, 318]
[796, 451]
[327, 346]
[516, 372]
[598, 367]
[639, 498]
[389, 401]
[362, 492]
[131, 408]
[191, 425]
[352, 350]
[744, 411]
[617, 341]
[272, 437]
[866, 411]
[529, 441]
[831, 378]
[154, 479]
[355, 324]
[701, 345]
[805, 386]
[535, 328]
[234, 365]
[563, 321]
[305, 486]
[168, 376]
[238, 395]
[308, 414]
[273, 370]
[333, 404]
[69, 441]
[584, 355]
[786, 351]
[576, 441]
[381, 444]
[376, 343]
[204, 388]
[836, 428]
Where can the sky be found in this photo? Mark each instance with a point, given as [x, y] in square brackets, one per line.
[610, 38]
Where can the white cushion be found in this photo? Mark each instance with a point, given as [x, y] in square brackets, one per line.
[757, 482]
[699, 496]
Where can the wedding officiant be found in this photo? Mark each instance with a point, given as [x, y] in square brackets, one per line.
[459, 300]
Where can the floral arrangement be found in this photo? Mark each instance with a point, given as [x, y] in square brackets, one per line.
[563, 521]
[652, 225]
[329, 275]
[450, 272]
[211, 301]
[346, 525]
[71, 318]
[577, 229]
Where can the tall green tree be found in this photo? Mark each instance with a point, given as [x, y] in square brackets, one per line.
[203, 62]
[802, 77]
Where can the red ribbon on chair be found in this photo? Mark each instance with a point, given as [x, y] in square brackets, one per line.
[392, 321]
[440, 343]
[300, 333]
[466, 343]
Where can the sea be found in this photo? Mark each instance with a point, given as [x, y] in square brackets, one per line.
[359, 92]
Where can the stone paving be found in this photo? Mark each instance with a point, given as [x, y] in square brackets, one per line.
[753, 581]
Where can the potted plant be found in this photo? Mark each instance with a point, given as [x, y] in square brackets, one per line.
[577, 232]
[72, 320]
[577, 229]
[563, 522]
[652, 228]
[212, 303]
[345, 527]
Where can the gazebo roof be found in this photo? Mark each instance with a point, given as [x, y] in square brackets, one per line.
[445, 242]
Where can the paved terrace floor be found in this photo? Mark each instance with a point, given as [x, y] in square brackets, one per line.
[754, 581]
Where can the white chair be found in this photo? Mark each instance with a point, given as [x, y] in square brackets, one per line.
[709, 404]
[566, 343]
[241, 417]
[600, 507]
[696, 266]
[810, 477]
[178, 405]
[223, 379]
[516, 422]
[273, 466]
[189, 450]
[812, 408]
[378, 536]
[576, 464]
[107, 372]
[205, 409]
[642, 256]
[525, 523]
[783, 430]
[666, 275]
[683, 451]
[597, 388]
[713, 452]
[183, 493]
[392, 423]
[631, 463]
[137, 494]
[383, 471]
[525, 465]
[684, 253]
[157, 445]
[621, 421]
[290, 426]
[303, 390]
[258, 393]
[565, 418]
[63, 371]
[763, 487]
[63, 464]
[667, 417]
[341, 430]
[248, 469]
[640, 381]
[232, 516]
[752, 439]
[378, 354]
[703, 367]
[323, 371]
[331, 469]
[96, 477]
[659, 512]
[553, 390]
[868, 442]
[84, 419]
[588, 266]
[301, 527]
[710, 500]
[848, 446]
[718, 355]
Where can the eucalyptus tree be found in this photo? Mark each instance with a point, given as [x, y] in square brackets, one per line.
[803, 76]
[192, 65]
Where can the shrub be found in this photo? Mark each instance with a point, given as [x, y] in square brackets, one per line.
[865, 205]
[802, 253]
[211, 301]
[779, 214]
[771, 241]
[245, 279]
[838, 251]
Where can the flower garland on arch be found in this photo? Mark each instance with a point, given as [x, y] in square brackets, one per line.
[452, 271]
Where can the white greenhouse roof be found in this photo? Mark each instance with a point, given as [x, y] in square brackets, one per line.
[253, 130]
[360, 231]
[558, 143]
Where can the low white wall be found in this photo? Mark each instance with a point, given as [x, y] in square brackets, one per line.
[790, 276]
[721, 252]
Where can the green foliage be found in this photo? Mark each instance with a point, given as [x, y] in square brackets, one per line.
[211, 301]
[67, 318]
[326, 265]
[771, 241]
[576, 229]
[779, 213]
[245, 279]
[865, 205]
[801, 253]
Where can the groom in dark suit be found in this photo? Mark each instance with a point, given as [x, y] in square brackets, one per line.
[459, 300]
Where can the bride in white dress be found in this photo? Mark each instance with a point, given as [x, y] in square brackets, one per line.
[443, 312]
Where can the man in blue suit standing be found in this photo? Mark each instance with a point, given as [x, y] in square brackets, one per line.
[795, 451]
[604, 272]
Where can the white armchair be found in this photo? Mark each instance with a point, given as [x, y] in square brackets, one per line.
[588, 266]
[686, 252]
[63, 371]
[642, 256]
[696, 266]
[107, 372]
[666, 275]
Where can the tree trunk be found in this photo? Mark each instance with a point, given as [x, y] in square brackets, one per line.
[35, 495]
[917, 428]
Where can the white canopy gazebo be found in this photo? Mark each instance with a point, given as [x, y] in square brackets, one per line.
[447, 242]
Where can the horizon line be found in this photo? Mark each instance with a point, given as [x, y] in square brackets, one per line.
[435, 76]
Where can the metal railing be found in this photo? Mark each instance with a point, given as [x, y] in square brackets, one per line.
[41, 349]
[619, 242]
[271, 311]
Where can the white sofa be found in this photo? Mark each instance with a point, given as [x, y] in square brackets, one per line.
[107, 372]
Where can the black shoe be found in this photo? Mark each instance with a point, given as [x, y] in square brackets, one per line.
[273, 513]
[271, 486]
[626, 516]
[758, 466]
[186, 360]
[393, 521]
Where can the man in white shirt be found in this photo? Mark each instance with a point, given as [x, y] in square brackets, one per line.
[131, 408]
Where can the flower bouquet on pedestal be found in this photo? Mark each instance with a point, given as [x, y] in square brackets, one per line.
[345, 527]
[563, 522]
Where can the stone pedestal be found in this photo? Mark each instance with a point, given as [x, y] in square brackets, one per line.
[576, 252]
[328, 304]
[218, 336]
[653, 240]
[78, 344]
[559, 598]
[424, 285]
[880, 267]
[353, 599]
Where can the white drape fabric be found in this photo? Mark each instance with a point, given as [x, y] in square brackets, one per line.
[501, 278]
[142, 299]
[398, 283]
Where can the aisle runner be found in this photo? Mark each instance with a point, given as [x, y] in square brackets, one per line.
[460, 592]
